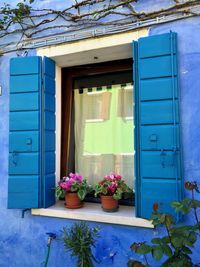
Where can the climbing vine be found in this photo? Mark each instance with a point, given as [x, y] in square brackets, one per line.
[28, 20]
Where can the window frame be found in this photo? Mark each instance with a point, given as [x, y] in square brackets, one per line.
[68, 75]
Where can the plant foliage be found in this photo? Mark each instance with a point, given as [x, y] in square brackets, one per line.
[179, 240]
[79, 240]
[73, 183]
[113, 185]
[28, 20]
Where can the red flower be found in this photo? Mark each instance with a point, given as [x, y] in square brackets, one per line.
[155, 207]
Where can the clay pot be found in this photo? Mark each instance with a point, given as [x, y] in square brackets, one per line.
[109, 204]
[72, 201]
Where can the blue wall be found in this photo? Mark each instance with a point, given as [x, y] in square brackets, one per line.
[23, 240]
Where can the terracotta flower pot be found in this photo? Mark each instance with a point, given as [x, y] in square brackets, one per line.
[72, 201]
[109, 204]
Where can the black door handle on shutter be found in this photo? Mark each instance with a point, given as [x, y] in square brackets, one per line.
[14, 158]
[174, 156]
[29, 143]
[163, 158]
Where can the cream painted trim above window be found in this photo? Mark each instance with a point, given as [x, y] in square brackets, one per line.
[93, 50]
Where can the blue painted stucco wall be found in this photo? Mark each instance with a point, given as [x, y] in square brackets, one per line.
[23, 240]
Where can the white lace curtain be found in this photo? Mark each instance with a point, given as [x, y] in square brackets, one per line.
[104, 132]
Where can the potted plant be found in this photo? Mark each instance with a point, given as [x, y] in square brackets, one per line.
[74, 188]
[110, 190]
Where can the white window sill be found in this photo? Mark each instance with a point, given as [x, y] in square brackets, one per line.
[93, 212]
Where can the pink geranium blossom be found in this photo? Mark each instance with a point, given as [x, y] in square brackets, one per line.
[67, 182]
[113, 177]
[74, 183]
[76, 176]
[112, 185]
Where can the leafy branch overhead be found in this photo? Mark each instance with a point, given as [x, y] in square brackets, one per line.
[28, 20]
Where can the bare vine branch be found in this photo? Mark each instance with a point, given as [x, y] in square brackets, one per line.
[29, 21]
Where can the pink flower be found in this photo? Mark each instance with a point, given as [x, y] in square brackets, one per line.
[66, 185]
[76, 177]
[107, 177]
[112, 188]
[67, 182]
[118, 177]
[113, 177]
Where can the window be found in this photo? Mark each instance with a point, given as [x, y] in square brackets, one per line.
[158, 160]
[101, 121]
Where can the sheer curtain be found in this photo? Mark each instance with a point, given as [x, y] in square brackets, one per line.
[104, 132]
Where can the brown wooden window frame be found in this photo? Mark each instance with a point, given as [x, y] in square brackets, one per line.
[68, 76]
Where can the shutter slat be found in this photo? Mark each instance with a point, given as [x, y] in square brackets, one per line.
[26, 65]
[21, 101]
[150, 89]
[24, 83]
[158, 148]
[24, 141]
[24, 121]
[23, 163]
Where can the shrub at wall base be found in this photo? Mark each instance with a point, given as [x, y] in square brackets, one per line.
[79, 240]
[179, 241]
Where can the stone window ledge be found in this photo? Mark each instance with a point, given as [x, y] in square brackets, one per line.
[93, 212]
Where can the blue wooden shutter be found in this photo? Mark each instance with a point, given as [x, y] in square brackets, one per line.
[49, 132]
[157, 124]
[27, 139]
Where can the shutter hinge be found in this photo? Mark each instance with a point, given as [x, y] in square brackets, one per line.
[24, 211]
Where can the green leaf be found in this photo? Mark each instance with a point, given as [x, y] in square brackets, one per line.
[166, 239]
[175, 204]
[73, 188]
[185, 210]
[157, 253]
[162, 218]
[168, 220]
[177, 241]
[133, 263]
[197, 226]
[144, 249]
[156, 241]
[182, 229]
[187, 250]
[59, 192]
[184, 206]
[167, 250]
[192, 237]
[196, 203]
[118, 194]
[81, 194]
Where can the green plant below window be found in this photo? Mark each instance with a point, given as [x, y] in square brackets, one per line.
[79, 240]
[176, 245]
